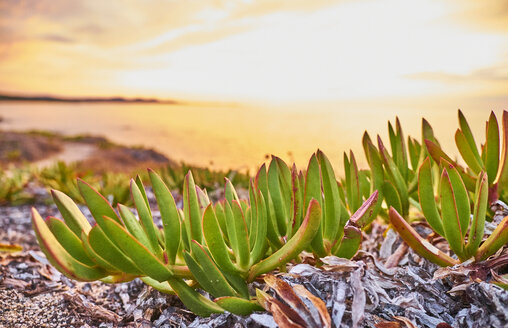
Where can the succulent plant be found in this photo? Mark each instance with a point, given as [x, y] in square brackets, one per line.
[339, 233]
[394, 176]
[219, 248]
[450, 217]
[488, 159]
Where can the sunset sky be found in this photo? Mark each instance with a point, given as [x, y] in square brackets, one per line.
[257, 51]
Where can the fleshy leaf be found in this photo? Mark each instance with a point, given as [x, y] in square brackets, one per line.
[294, 246]
[70, 242]
[193, 300]
[468, 154]
[215, 241]
[365, 214]
[496, 240]
[451, 217]
[97, 204]
[332, 227]
[192, 211]
[59, 257]
[468, 136]
[139, 254]
[492, 148]
[169, 215]
[239, 306]
[350, 243]
[417, 243]
[426, 197]
[110, 253]
[71, 213]
[480, 209]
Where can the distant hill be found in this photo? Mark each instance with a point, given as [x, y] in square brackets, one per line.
[11, 97]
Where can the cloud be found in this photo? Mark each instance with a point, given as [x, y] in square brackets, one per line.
[56, 38]
[485, 15]
[497, 73]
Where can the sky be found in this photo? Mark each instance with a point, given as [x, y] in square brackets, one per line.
[271, 51]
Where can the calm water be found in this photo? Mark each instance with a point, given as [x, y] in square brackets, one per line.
[234, 137]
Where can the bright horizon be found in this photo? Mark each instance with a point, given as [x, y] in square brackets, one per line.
[439, 53]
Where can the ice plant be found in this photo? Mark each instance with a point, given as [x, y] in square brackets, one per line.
[450, 217]
[393, 175]
[488, 159]
[339, 234]
[217, 248]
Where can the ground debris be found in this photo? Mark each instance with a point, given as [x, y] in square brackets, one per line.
[409, 296]
[362, 292]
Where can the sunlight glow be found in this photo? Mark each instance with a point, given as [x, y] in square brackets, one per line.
[255, 51]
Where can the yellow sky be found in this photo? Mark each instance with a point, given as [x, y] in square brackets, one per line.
[257, 51]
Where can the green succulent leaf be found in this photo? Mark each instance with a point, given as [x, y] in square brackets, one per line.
[96, 257]
[294, 246]
[421, 246]
[192, 211]
[141, 188]
[352, 182]
[110, 253]
[332, 227]
[97, 204]
[496, 240]
[480, 209]
[59, 257]
[70, 242]
[274, 186]
[207, 273]
[492, 148]
[239, 306]
[313, 191]
[242, 249]
[468, 137]
[145, 218]
[260, 245]
[272, 227]
[467, 153]
[215, 241]
[461, 197]
[229, 191]
[169, 216]
[428, 133]
[296, 202]
[502, 176]
[146, 261]
[132, 225]
[396, 178]
[193, 300]
[366, 213]
[163, 287]
[391, 196]
[71, 213]
[350, 243]
[451, 209]
[426, 197]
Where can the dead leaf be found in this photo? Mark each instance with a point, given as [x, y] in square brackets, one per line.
[387, 324]
[10, 248]
[318, 304]
[406, 321]
[286, 292]
[394, 259]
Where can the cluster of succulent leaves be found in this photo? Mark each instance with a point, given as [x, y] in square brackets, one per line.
[220, 248]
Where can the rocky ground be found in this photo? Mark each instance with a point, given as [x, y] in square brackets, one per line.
[368, 291]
